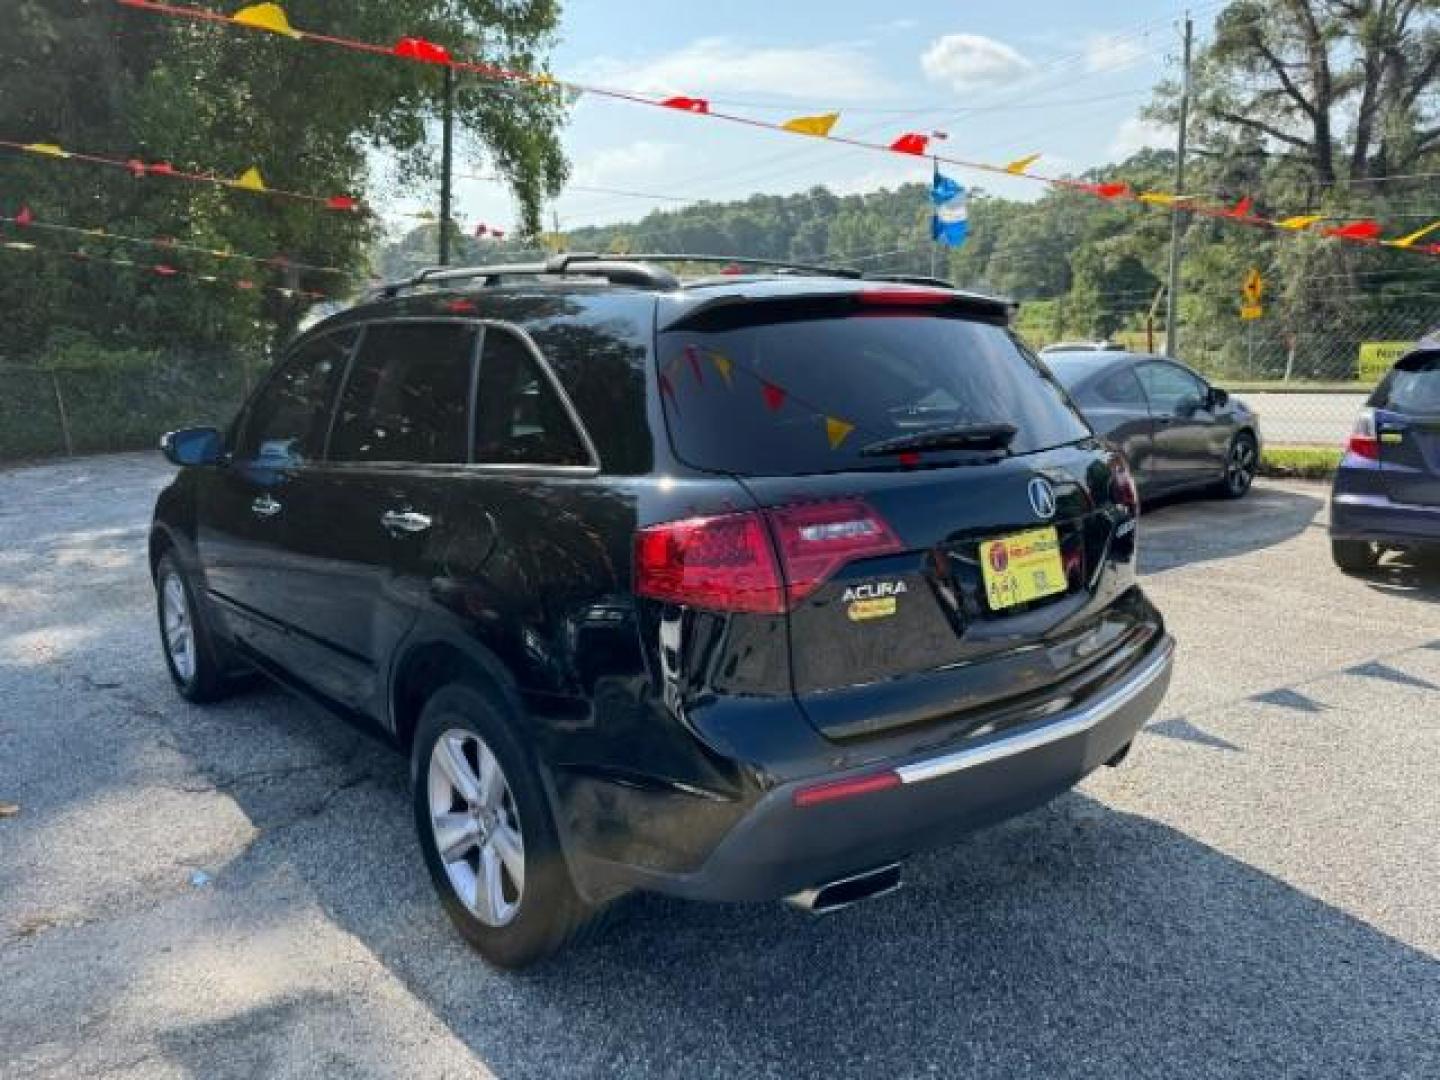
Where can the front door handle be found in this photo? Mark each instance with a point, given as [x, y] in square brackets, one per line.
[407, 521]
[265, 506]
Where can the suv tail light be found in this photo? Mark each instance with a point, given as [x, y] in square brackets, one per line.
[1122, 485]
[763, 562]
[1363, 440]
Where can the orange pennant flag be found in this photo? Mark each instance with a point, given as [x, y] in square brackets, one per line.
[270, 17]
[1019, 165]
[1300, 221]
[837, 431]
[250, 180]
[1418, 234]
[723, 364]
[48, 149]
[819, 126]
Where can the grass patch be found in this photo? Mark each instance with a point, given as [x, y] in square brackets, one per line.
[1300, 462]
[1279, 386]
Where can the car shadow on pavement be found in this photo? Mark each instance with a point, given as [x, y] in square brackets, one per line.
[1077, 940]
[1183, 530]
[1411, 575]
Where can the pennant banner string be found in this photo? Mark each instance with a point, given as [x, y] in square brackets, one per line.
[270, 18]
[250, 180]
[164, 270]
[26, 220]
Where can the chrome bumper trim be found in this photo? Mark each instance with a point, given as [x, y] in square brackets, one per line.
[1044, 732]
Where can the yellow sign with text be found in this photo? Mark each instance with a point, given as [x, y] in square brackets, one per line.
[1378, 357]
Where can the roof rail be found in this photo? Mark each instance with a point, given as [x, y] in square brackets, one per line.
[732, 260]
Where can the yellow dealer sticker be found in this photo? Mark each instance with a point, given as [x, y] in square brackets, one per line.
[1021, 568]
[880, 608]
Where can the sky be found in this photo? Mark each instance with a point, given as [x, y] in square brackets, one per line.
[1065, 78]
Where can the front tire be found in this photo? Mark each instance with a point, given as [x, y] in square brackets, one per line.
[1355, 556]
[185, 638]
[486, 832]
[1242, 462]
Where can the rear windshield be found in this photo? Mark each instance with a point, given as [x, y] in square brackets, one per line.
[806, 395]
[1413, 387]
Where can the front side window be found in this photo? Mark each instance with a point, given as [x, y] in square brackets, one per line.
[1120, 389]
[1172, 391]
[407, 397]
[286, 422]
[519, 418]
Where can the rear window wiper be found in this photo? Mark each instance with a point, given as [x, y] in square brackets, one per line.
[959, 437]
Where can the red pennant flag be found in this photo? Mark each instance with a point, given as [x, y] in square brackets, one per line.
[1356, 230]
[774, 395]
[480, 230]
[499, 234]
[912, 142]
[24, 217]
[244, 283]
[687, 104]
[136, 166]
[693, 355]
[165, 271]
[1242, 208]
[427, 52]
[341, 202]
[164, 168]
[1109, 191]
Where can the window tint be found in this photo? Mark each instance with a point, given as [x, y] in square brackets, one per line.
[1172, 390]
[286, 422]
[407, 395]
[519, 419]
[807, 394]
[1120, 389]
[1413, 387]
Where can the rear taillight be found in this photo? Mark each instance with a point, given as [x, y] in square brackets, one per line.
[1363, 440]
[757, 561]
[1122, 485]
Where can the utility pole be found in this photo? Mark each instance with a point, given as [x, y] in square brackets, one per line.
[1178, 217]
[447, 163]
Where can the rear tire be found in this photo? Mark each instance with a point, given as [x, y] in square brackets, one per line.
[501, 876]
[1242, 462]
[1355, 556]
[185, 637]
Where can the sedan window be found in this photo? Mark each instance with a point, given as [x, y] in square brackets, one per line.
[1172, 391]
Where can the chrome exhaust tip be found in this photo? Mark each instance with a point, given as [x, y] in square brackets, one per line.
[836, 895]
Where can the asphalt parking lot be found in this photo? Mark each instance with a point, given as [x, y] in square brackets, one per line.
[235, 891]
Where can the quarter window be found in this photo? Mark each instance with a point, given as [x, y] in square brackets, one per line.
[1172, 390]
[519, 418]
[286, 422]
[406, 399]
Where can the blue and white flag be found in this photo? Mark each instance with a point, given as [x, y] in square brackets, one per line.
[950, 224]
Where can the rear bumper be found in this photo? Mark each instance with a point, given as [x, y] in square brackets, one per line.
[1370, 516]
[779, 848]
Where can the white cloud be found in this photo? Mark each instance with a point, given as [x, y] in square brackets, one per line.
[1137, 133]
[1110, 52]
[835, 72]
[634, 161]
[969, 61]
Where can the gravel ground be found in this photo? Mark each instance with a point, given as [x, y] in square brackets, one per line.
[1252, 895]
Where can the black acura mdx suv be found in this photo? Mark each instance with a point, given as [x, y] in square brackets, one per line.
[736, 588]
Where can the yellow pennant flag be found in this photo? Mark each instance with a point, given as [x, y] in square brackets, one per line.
[220, 253]
[723, 364]
[812, 125]
[837, 431]
[1418, 234]
[95, 232]
[270, 17]
[1158, 198]
[46, 148]
[1019, 165]
[251, 180]
[1300, 221]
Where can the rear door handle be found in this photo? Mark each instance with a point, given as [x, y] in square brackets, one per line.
[265, 506]
[405, 521]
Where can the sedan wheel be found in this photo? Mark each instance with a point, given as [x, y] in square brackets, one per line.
[1241, 464]
[178, 626]
[476, 827]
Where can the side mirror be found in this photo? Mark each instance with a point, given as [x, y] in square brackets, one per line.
[193, 446]
[1218, 398]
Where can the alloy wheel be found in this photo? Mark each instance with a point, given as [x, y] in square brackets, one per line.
[476, 826]
[178, 625]
[1240, 466]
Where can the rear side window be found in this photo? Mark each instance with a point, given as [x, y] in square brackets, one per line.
[285, 425]
[1413, 387]
[1120, 388]
[1172, 391]
[807, 395]
[519, 418]
[407, 396]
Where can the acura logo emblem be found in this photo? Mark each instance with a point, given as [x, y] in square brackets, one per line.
[1042, 498]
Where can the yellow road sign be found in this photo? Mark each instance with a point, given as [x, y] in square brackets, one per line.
[1254, 287]
[1251, 311]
